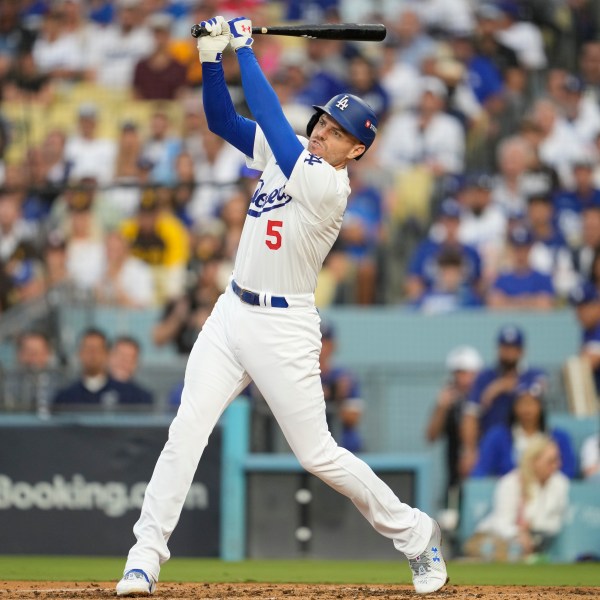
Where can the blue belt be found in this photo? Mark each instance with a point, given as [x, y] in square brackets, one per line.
[253, 298]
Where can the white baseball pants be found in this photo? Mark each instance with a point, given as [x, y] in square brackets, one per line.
[278, 349]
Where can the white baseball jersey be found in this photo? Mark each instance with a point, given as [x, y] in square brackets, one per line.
[291, 224]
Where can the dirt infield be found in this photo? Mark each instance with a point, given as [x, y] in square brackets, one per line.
[255, 591]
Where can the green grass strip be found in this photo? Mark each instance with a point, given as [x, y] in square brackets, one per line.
[69, 568]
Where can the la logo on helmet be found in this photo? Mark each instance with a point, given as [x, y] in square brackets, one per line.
[342, 103]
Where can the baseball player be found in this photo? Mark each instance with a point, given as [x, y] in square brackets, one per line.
[265, 326]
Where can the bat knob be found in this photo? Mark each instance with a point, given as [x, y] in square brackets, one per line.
[198, 31]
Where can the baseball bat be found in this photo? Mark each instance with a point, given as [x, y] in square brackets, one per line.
[356, 32]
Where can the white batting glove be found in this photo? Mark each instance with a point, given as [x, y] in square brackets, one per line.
[211, 47]
[241, 33]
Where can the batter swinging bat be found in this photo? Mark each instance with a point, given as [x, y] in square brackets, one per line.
[357, 32]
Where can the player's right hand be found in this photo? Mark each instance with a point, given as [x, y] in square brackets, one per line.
[211, 47]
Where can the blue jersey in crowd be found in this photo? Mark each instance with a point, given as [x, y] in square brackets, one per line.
[529, 282]
[113, 393]
[499, 411]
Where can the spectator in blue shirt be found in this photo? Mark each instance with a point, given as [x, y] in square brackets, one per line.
[342, 395]
[521, 287]
[502, 447]
[493, 393]
[449, 291]
[423, 267]
[570, 204]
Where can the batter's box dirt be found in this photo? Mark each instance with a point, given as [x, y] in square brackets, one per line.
[47, 590]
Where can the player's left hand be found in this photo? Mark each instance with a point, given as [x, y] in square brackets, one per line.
[241, 33]
[211, 47]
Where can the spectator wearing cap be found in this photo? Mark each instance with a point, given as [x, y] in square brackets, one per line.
[89, 154]
[579, 108]
[427, 136]
[483, 223]
[524, 37]
[518, 286]
[159, 76]
[569, 204]
[549, 254]
[122, 44]
[157, 237]
[502, 447]
[585, 299]
[343, 398]
[463, 364]
[444, 235]
[494, 391]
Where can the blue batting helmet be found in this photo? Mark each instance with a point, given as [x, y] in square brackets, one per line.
[353, 114]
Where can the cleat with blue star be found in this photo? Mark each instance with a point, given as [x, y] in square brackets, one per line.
[429, 569]
[136, 582]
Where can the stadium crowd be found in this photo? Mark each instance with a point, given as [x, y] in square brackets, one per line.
[482, 189]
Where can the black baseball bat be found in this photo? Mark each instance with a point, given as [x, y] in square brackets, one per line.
[356, 32]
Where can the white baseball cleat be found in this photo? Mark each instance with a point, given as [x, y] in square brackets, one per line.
[136, 582]
[429, 569]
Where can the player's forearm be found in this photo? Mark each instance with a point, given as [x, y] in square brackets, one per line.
[264, 105]
[221, 116]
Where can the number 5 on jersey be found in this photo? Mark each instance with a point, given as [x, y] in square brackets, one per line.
[273, 240]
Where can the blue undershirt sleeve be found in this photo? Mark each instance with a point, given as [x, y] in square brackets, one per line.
[220, 112]
[264, 105]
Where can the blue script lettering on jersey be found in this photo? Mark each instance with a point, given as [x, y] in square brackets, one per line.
[313, 159]
[262, 202]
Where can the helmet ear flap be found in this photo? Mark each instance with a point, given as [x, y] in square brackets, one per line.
[311, 123]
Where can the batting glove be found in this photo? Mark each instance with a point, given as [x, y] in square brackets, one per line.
[210, 47]
[241, 33]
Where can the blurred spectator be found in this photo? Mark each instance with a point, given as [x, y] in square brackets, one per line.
[25, 82]
[579, 109]
[423, 267]
[122, 44]
[449, 291]
[590, 457]
[90, 155]
[549, 252]
[217, 177]
[159, 76]
[529, 508]
[16, 234]
[55, 261]
[519, 286]
[410, 40]
[493, 393]
[569, 204]
[483, 223]
[364, 80]
[157, 237]
[161, 147]
[589, 65]
[502, 447]
[559, 147]
[32, 384]
[57, 166]
[585, 298]
[76, 24]
[123, 363]
[56, 52]
[524, 37]
[126, 281]
[428, 136]
[463, 363]
[95, 388]
[342, 394]
[361, 234]
[184, 316]
[514, 183]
